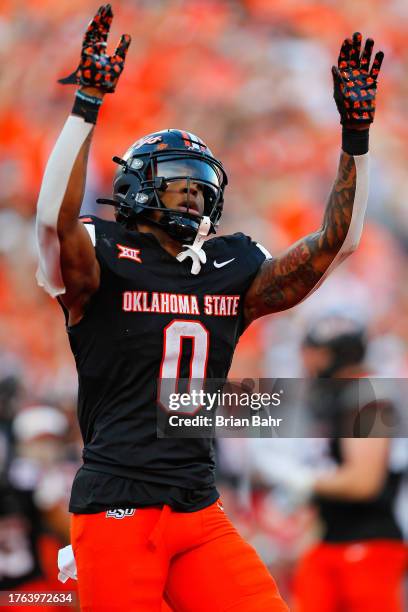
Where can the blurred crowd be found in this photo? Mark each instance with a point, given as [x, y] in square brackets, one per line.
[253, 79]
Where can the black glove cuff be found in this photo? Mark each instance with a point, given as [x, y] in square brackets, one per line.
[355, 142]
[86, 106]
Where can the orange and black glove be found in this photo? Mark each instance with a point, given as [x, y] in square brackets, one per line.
[96, 68]
[355, 88]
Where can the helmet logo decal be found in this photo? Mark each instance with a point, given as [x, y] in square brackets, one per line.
[147, 140]
[186, 139]
[193, 142]
[129, 253]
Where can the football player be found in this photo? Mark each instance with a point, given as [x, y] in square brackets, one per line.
[353, 482]
[33, 477]
[362, 544]
[147, 298]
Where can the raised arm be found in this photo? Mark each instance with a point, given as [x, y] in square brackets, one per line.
[286, 280]
[67, 260]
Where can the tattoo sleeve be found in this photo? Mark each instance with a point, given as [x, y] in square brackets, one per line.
[284, 281]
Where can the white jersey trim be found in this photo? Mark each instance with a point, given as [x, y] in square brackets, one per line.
[90, 228]
[264, 251]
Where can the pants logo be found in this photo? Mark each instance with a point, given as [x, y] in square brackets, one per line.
[120, 513]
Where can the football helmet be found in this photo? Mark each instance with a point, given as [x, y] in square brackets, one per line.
[156, 160]
[345, 338]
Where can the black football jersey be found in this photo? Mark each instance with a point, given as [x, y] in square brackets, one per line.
[345, 520]
[151, 318]
[348, 521]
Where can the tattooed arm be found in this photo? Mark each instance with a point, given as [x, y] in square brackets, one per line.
[284, 281]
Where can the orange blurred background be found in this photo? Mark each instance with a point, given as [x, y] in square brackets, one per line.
[253, 79]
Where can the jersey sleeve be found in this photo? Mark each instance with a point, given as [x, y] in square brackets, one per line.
[103, 236]
[252, 254]
[89, 224]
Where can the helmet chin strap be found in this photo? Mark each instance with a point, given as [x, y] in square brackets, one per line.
[195, 250]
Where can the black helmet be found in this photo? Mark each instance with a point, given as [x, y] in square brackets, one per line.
[345, 338]
[156, 160]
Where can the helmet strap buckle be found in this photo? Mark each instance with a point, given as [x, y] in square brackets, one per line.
[195, 250]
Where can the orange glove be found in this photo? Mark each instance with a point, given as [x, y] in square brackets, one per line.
[96, 69]
[355, 85]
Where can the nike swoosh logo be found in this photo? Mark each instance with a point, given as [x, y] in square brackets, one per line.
[223, 263]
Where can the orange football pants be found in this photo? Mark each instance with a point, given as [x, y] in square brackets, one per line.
[197, 561]
[354, 577]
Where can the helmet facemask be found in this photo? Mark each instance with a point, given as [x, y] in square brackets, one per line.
[197, 174]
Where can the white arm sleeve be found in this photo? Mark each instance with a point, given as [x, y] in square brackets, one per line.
[359, 208]
[53, 188]
[357, 217]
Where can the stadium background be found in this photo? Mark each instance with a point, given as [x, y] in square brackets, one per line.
[252, 78]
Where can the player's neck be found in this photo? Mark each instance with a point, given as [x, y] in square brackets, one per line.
[166, 242]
